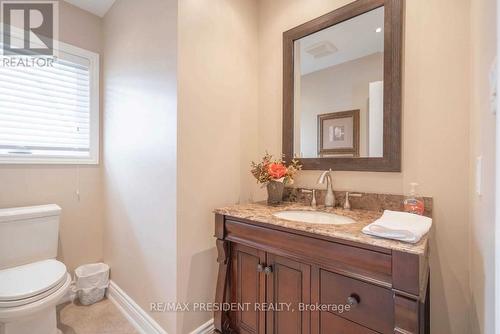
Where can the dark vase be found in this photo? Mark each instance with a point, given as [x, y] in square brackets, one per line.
[275, 192]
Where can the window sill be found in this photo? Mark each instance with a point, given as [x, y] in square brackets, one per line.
[47, 161]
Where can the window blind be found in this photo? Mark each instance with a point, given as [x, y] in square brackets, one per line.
[45, 111]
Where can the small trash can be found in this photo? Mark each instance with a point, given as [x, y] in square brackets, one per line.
[91, 282]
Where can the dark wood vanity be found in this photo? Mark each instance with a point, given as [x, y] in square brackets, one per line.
[384, 287]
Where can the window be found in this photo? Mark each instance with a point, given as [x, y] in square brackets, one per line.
[50, 114]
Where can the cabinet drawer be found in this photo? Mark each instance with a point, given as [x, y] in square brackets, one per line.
[375, 305]
[333, 324]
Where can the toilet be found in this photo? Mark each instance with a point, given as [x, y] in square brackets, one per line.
[32, 281]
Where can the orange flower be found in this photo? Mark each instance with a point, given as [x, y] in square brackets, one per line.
[276, 170]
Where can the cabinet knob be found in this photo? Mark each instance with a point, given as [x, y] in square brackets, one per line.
[268, 270]
[260, 268]
[353, 300]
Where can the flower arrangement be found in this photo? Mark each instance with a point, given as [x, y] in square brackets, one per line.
[275, 170]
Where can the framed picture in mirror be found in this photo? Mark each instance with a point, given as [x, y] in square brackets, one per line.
[338, 134]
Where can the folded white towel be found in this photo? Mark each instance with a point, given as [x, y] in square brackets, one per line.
[400, 226]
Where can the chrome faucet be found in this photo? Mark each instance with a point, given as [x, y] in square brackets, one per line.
[330, 197]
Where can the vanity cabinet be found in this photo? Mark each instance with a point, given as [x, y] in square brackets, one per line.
[283, 281]
[263, 282]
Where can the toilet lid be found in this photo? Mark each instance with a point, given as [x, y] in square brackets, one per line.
[31, 279]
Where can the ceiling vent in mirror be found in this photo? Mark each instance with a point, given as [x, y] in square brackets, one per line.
[321, 49]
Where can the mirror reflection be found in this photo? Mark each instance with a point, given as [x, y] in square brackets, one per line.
[338, 93]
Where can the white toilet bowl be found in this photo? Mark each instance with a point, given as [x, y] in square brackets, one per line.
[29, 295]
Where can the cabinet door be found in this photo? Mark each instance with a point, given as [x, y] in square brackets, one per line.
[247, 289]
[288, 285]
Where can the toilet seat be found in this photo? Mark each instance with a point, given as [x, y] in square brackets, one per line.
[31, 282]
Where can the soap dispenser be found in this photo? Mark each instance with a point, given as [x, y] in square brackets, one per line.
[413, 202]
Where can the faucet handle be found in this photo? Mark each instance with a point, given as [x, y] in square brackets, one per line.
[313, 192]
[347, 203]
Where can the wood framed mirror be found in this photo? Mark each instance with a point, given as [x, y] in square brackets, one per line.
[347, 60]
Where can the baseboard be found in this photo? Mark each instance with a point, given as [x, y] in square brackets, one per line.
[206, 328]
[133, 312]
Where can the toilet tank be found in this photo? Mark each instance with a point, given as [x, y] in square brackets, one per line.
[28, 234]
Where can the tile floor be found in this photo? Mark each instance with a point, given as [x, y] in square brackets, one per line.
[100, 318]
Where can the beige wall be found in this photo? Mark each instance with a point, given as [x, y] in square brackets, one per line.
[79, 27]
[217, 133]
[140, 117]
[334, 89]
[482, 139]
[22, 185]
[435, 131]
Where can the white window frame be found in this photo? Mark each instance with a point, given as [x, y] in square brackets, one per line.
[94, 114]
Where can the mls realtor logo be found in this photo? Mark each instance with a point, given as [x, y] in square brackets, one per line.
[29, 28]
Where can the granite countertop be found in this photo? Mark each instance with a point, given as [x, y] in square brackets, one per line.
[260, 212]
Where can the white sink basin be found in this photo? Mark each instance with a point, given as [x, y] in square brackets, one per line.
[314, 217]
